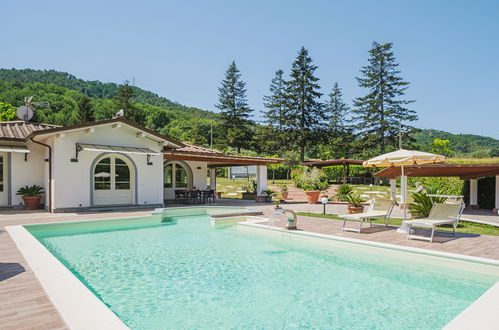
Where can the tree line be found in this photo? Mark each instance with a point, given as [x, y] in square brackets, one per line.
[297, 118]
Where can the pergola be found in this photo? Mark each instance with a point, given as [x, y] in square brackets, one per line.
[215, 158]
[470, 172]
[334, 162]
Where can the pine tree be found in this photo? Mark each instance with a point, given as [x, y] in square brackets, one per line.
[275, 115]
[123, 101]
[337, 110]
[84, 111]
[381, 111]
[274, 133]
[234, 109]
[304, 110]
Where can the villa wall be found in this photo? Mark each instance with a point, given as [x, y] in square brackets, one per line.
[29, 172]
[72, 180]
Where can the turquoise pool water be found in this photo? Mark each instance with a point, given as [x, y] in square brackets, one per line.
[191, 275]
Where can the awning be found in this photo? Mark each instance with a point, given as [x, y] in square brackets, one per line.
[21, 149]
[125, 150]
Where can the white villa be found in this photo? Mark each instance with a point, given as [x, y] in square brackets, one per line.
[108, 163]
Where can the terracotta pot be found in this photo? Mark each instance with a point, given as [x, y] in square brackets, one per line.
[312, 196]
[355, 209]
[31, 202]
[284, 196]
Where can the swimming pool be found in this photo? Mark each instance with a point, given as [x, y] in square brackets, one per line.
[188, 273]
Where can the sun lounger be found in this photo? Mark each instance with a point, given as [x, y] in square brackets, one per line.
[440, 214]
[379, 208]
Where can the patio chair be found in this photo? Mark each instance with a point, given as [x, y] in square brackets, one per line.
[448, 213]
[379, 208]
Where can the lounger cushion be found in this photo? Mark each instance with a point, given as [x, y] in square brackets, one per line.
[430, 222]
[365, 215]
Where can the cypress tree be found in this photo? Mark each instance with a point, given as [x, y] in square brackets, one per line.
[234, 109]
[379, 113]
[304, 110]
[84, 111]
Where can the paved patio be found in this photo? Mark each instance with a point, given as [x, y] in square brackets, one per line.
[24, 304]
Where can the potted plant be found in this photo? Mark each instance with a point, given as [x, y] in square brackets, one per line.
[31, 196]
[354, 203]
[312, 181]
[277, 203]
[284, 191]
[342, 191]
[250, 188]
[266, 196]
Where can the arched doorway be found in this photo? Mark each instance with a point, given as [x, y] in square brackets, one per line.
[176, 175]
[113, 180]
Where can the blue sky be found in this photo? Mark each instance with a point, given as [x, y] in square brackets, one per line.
[448, 50]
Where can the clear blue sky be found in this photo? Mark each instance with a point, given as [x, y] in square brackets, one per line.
[448, 50]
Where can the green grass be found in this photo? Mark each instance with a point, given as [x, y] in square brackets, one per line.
[463, 227]
[231, 188]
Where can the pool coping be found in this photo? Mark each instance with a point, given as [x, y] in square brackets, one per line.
[75, 302]
[77, 305]
[482, 313]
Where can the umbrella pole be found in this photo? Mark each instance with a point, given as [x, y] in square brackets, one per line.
[403, 186]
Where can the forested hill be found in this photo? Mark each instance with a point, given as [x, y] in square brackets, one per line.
[94, 89]
[64, 92]
[464, 144]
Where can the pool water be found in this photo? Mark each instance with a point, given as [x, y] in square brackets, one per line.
[191, 275]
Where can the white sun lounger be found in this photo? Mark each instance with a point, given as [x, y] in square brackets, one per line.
[440, 214]
[379, 208]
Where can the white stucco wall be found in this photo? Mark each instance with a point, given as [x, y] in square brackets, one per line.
[29, 172]
[72, 180]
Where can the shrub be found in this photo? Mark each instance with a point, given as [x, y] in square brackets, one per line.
[310, 179]
[353, 199]
[33, 190]
[423, 203]
[343, 190]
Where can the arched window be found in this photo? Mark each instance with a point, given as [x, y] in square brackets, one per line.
[177, 176]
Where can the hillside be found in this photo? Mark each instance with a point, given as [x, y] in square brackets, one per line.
[461, 144]
[63, 91]
[94, 89]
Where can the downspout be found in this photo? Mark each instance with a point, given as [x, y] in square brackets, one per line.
[50, 172]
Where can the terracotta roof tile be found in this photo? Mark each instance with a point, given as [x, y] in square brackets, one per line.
[198, 150]
[19, 129]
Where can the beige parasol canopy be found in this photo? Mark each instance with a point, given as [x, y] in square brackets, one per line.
[404, 157]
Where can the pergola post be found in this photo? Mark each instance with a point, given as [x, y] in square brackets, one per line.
[496, 209]
[403, 185]
[474, 193]
[393, 189]
[261, 179]
[213, 179]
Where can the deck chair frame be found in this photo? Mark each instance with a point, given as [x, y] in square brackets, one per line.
[367, 216]
[433, 224]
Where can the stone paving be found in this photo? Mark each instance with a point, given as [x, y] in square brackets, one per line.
[24, 304]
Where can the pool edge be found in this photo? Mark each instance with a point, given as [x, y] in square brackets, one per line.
[482, 313]
[72, 299]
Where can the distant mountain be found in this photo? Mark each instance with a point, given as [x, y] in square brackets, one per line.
[94, 89]
[462, 144]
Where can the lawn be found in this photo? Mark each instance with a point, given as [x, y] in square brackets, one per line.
[232, 188]
[463, 227]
